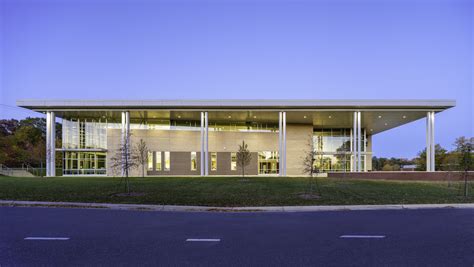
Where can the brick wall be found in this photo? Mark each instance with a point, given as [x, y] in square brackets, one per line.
[416, 175]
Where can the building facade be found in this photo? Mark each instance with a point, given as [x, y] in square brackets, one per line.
[202, 137]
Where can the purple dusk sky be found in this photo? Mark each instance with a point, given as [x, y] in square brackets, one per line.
[332, 49]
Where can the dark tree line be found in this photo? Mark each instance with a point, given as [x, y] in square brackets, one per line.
[454, 160]
[23, 142]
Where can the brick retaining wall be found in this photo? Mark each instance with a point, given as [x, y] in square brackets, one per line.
[399, 175]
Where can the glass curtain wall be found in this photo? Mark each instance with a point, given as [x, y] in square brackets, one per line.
[81, 138]
[333, 147]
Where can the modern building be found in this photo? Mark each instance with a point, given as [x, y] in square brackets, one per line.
[201, 137]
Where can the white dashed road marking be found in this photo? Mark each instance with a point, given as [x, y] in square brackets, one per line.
[362, 236]
[47, 238]
[203, 240]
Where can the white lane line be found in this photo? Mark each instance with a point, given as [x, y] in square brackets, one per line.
[362, 236]
[46, 238]
[203, 240]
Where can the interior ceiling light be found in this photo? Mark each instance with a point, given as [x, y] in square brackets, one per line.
[179, 116]
[254, 117]
[304, 117]
[371, 130]
[380, 116]
[229, 117]
[404, 116]
[330, 116]
[386, 124]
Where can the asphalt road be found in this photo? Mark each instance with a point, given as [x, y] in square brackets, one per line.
[437, 237]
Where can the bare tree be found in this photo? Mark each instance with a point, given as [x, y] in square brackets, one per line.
[243, 157]
[464, 147]
[142, 155]
[125, 159]
[310, 167]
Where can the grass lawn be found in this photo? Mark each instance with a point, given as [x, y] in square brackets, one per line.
[230, 191]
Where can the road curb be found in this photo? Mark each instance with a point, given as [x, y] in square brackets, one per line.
[175, 208]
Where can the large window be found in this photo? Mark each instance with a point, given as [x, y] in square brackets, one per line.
[268, 162]
[150, 160]
[158, 161]
[334, 149]
[84, 133]
[167, 161]
[84, 163]
[233, 161]
[213, 161]
[193, 161]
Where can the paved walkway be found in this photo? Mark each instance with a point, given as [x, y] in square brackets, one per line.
[140, 207]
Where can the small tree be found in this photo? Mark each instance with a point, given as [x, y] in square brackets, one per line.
[142, 155]
[310, 167]
[125, 159]
[243, 157]
[464, 147]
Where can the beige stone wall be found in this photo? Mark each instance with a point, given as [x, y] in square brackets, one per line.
[186, 141]
[297, 138]
[180, 143]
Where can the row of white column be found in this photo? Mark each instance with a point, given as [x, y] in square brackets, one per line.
[356, 143]
[50, 143]
[430, 141]
[125, 142]
[205, 143]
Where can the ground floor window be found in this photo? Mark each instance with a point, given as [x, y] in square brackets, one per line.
[84, 163]
[268, 162]
[335, 162]
[167, 161]
[233, 161]
[150, 160]
[158, 160]
[193, 161]
[213, 161]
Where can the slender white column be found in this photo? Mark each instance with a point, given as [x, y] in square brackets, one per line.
[125, 137]
[48, 143]
[352, 149]
[202, 144]
[284, 142]
[53, 143]
[359, 140]
[428, 141]
[354, 143]
[280, 145]
[432, 140]
[206, 144]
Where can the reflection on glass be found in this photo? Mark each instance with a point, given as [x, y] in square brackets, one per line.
[268, 162]
[213, 161]
[158, 160]
[167, 161]
[150, 160]
[193, 161]
[334, 149]
[233, 161]
[84, 163]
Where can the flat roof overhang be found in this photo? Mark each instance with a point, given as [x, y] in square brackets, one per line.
[255, 104]
[377, 115]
